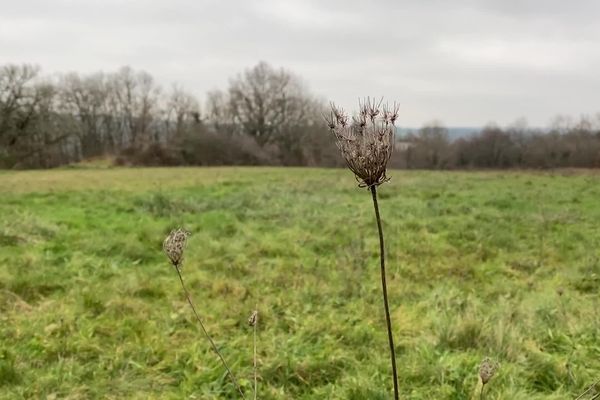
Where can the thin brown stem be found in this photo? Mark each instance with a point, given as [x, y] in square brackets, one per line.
[255, 362]
[385, 295]
[212, 343]
[592, 386]
[481, 393]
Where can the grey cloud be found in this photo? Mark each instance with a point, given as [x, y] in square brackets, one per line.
[464, 62]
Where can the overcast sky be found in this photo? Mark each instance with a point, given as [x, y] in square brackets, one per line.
[465, 63]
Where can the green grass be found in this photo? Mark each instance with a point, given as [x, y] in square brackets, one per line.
[91, 308]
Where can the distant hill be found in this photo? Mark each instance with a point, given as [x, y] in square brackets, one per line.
[455, 132]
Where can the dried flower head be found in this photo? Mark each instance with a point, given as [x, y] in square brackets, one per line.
[367, 142]
[253, 319]
[174, 245]
[487, 369]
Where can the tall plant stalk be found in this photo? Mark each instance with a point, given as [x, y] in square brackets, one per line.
[366, 141]
[174, 246]
[255, 369]
[212, 343]
[386, 306]
[253, 321]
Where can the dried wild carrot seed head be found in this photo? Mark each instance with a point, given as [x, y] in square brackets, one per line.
[174, 245]
[366, 143]
[253, 319]
[487, 369]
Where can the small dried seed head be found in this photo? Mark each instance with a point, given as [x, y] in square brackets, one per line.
[487, 369]
[367, 143]
[253, 319]
[174, 245]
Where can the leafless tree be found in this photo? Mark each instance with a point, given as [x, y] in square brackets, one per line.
[267, 103]
[31, 128]
[182, 110]
[218, 113]
[17, 101]
[87, 100]
[136, 101]
[430, 147]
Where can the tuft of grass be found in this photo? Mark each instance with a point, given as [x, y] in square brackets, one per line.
[8, 372]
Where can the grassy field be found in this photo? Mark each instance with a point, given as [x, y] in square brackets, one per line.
[498, 264]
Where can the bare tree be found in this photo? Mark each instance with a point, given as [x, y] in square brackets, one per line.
[31, 128]
[431, 147]
[218, 112]
[182, 110]
[87, 99]
[17, 101]
[136, 101]
[267, 103]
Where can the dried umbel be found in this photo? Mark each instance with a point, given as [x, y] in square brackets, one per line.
[174, 246]
[367, 141]
[253, 318]
[487, 369]
[366, 144]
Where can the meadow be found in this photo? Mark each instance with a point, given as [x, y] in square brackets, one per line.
[503, 265]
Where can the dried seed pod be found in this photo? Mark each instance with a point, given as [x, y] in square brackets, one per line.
[487, 369]
[174, 246]
[367, 143]
[253, 319]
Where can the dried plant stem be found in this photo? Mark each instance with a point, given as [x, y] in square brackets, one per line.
[385, 296]
[481, 394]
[592, 386]
[255, 362]
[212, 343]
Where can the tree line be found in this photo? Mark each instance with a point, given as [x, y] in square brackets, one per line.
[265, 116]
[565, 144]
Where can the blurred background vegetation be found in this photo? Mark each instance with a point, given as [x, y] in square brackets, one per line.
[266, 116]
